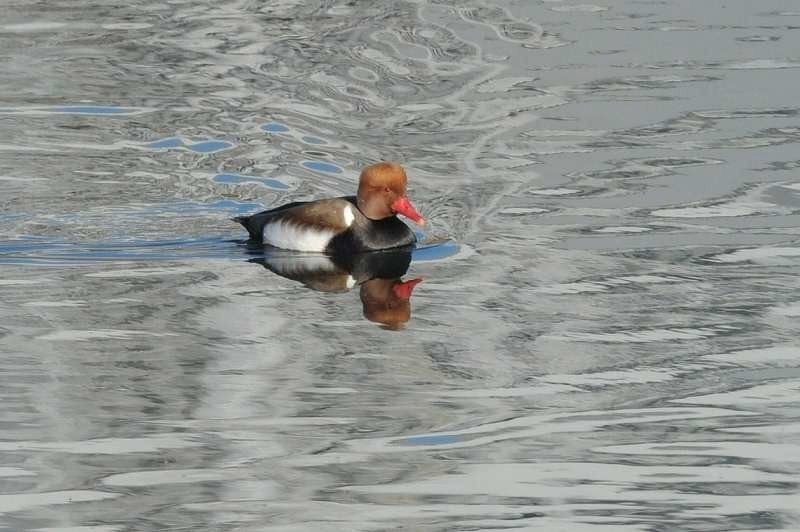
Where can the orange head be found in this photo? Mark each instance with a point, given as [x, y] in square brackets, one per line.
[382, 193]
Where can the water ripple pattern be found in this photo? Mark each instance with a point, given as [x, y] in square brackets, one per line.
[606, 337]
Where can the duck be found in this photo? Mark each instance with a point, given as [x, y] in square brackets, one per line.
[345, 225]
[387, 302]
[385, 296]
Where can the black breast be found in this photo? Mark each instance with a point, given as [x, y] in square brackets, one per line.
[370, 235]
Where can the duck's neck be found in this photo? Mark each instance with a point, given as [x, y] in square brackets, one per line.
[374, 210]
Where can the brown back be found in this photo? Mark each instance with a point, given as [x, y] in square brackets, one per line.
[325, 214]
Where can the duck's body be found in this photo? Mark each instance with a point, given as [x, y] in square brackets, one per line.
[346, 225]
[333, 226]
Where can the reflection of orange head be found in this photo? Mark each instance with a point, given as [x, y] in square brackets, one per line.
[403, 289]
[388, 301]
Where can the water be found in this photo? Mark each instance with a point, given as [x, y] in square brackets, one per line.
[605, 337]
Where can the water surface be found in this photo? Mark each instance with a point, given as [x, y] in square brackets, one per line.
[606, 334]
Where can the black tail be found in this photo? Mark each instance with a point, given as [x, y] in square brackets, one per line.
[245, 221]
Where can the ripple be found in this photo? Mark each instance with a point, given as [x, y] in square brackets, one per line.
[742, 450]
[602, 285]
[25, 501]
[786, 355]
[22, 179]
[760, 255]
[325, 168]
[531, 427]
[791, 310]
[95, 110]
[99, 334]
[126, 26]
[758, 38]
[579, 8]
[55, 304]
[29, 27]
[515, 211]
[275, 127]
[98, 528]
[15, 472]
[762, 64]
[209, 146]
[150, 444]
[509, 28]
[205, 147]
[555, 191]
[20, 282]
[720, 210]
[640, 336]
[552, 483]
[236, 179]
[384, 61]
[172, 142]
[81, 253]
[139, 272]
[507, 85]
[87, 110]
[760, 395]
[140, 479]
[540, 388]
[444, 439]
[622, 229]
[646, 168]
[621, 377]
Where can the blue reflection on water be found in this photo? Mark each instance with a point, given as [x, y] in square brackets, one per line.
[210, 146]
[313, 140]
[172, 142]
[94, 110]
[319, 166]
[235, 207]
[275, 127]
[207, 146]
[434, 252]
[439, 439]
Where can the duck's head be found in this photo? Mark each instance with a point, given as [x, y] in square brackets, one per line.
[382, 193]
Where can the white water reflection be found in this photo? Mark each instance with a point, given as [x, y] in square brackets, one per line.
[605, 337]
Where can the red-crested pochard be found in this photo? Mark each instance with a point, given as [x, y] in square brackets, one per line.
[385, 297]
[349, 224]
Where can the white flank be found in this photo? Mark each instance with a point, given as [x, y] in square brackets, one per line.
[283, 234]
[350, 282]
[348, 216]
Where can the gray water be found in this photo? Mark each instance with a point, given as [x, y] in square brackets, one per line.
[606, 336]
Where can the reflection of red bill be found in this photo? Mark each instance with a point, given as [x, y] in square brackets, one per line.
[403, 290]
[403, 206]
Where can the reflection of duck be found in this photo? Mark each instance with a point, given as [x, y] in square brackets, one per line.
[385, 297]
[351, 224]
[388, 301]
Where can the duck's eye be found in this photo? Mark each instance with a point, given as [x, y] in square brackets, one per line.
[387, 189]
